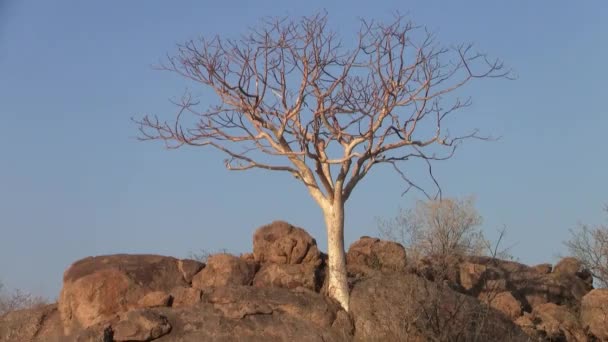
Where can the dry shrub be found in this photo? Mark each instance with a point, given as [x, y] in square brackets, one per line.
[590, 246]
[17, 300]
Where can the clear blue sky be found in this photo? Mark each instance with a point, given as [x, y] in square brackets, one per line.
[74, 182]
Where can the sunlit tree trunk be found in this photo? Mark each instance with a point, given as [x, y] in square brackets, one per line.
[337, 289]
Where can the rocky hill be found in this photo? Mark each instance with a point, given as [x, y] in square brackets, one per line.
[276, 293]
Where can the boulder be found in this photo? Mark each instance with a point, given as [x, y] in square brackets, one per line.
[503, 302]
[287, 275]
[557, 323]
[594, 313]
[282, 243]
[405, 307]
[95, 289]
[372, 254]
[224, 269]
[568, 265]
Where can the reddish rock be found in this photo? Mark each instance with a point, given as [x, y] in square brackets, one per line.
[405, 307]
[542, 268]
[471, 275]
[97, 288]
[568, 265]
[189, 268]
[372, 254]
[282, 243]
[154, 299]
[30, 325]
[140, 325]
[526, 323]
[594, 313]
[287, 276]
[185, 296]
[249, 257]
[503, 302]
[558, 323]
[223, 270]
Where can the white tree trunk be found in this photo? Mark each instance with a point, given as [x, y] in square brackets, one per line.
[338, 281]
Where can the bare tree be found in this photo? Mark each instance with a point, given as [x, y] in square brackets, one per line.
[590, 245]
[293, 97]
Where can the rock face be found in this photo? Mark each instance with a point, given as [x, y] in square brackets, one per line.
[95, 289]
[370, 254]
[282, 243]
[287, 276]
[140, 325]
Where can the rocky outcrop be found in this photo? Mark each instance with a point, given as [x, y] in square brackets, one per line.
[276, 294]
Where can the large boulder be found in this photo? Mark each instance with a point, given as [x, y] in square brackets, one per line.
[97, 288]
[594, 313]
[282, 243]
[223, 270]
[405, 307]
[371, 254]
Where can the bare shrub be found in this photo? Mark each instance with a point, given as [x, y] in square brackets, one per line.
[438, 228]
[203, 254]
[590, 245]
[17, 300]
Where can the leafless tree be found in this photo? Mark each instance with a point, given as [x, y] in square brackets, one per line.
[590, 245]
[293, 97]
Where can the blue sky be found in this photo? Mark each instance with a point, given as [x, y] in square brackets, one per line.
[74, 182]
